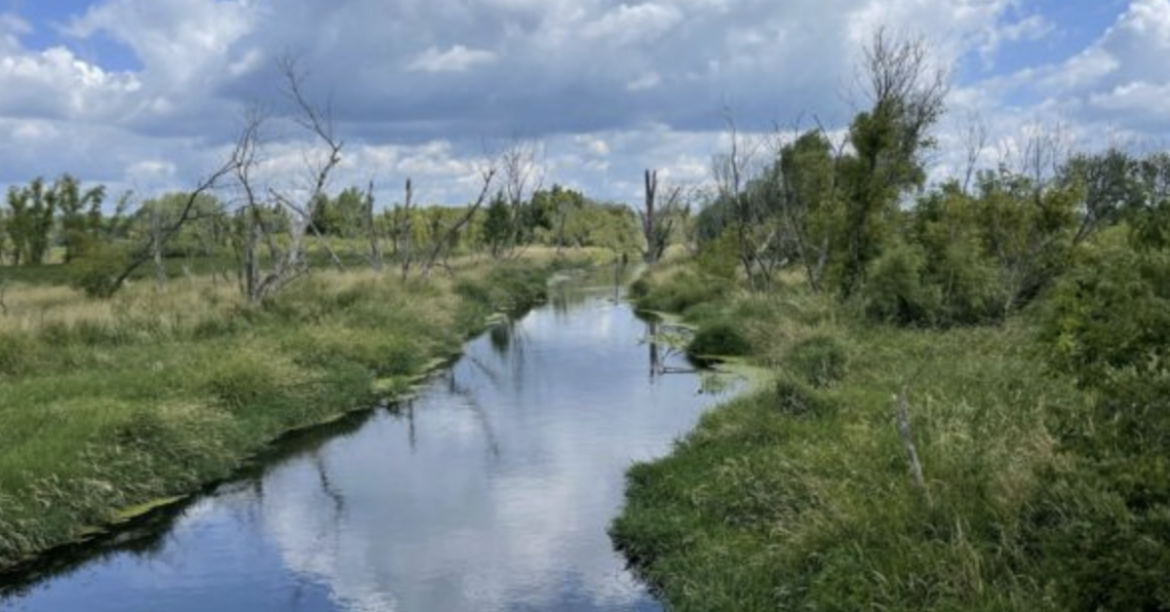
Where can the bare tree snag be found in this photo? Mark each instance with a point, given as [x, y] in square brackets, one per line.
[657, 217]
[406, 254]
[902, 418]
[648, 216]
[486, 176]
[376, 258]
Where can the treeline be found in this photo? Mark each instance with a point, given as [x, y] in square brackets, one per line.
[64, 222]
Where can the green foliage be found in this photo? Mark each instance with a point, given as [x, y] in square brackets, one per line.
[718, 339]
[894, 291]
[497, 226]
[96, 271]
[1108, 325]
[342, 216]
[719, 258]
[819, 360]
[680, 291]
[1112, 311]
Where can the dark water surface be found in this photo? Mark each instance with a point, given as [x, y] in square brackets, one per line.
[492, 490]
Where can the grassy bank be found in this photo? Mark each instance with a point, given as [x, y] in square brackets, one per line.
[106, 405]
[800, 497]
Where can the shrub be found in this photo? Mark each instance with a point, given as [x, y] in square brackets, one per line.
[719, 338]
[894, 291]
[96, 272]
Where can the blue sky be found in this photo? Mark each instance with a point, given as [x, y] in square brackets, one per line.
[147, 95]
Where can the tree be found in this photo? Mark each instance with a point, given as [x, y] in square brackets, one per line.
[80, 214]
[31, 213]
[497, 225]
[809, 202]
[287, 255]
[907, 96]
[657, 217]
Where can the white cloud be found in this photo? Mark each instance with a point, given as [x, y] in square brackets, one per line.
[455, 59]
[612, 87]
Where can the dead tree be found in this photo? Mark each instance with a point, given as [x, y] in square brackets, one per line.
[657, 220]
[286, 256]
[734, 172]
[188, 211]
[376, 258]
[522, 174]
[405, 230]
[487, 175]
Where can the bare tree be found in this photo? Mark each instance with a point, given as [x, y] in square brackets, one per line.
[405, 229]
[974, 136]
[736, 174]
[376, 257]
[286, 256]
[167, 231]
[521, 171]
[657, 217]
[487, 174]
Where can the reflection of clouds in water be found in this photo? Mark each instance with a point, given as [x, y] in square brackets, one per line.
[443, 529]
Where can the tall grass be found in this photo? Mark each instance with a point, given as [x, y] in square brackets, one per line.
[109, 404]
[799, 496]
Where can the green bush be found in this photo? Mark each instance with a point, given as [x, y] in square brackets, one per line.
[719, 338]
[1108, 324]
[96, 272]
[819, 360]
[894, 291]
[719, 258]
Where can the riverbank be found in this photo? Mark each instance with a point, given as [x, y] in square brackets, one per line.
[107, 408]
[800, 495]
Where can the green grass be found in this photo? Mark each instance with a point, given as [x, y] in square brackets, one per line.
[799, 496]
[106, 405]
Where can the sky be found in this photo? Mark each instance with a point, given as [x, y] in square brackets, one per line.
[149, 95]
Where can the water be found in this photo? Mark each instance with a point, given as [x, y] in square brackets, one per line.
[492, 490]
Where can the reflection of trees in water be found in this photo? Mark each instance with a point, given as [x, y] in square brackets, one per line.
[559, 297]
[500, 337]
[148, 537]
[665, 342]
[478, 413]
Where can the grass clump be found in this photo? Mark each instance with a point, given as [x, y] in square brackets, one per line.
[820, 360]
[718, 338]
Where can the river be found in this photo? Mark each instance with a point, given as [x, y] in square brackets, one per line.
[490, 490]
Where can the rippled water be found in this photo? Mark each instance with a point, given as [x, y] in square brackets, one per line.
[492, 490]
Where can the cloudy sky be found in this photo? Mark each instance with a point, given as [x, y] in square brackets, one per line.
[146, 94]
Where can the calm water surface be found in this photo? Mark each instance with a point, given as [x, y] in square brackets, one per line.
[492, 490]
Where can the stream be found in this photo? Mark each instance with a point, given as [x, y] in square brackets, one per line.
[490, 490]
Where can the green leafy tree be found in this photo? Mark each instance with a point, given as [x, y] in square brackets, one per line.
[80, 214]
[31, 212]
[497, 225]
[888, 141]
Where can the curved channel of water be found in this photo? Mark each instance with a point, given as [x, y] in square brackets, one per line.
[492, 490]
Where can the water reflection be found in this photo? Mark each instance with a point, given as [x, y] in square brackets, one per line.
[490, 491]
